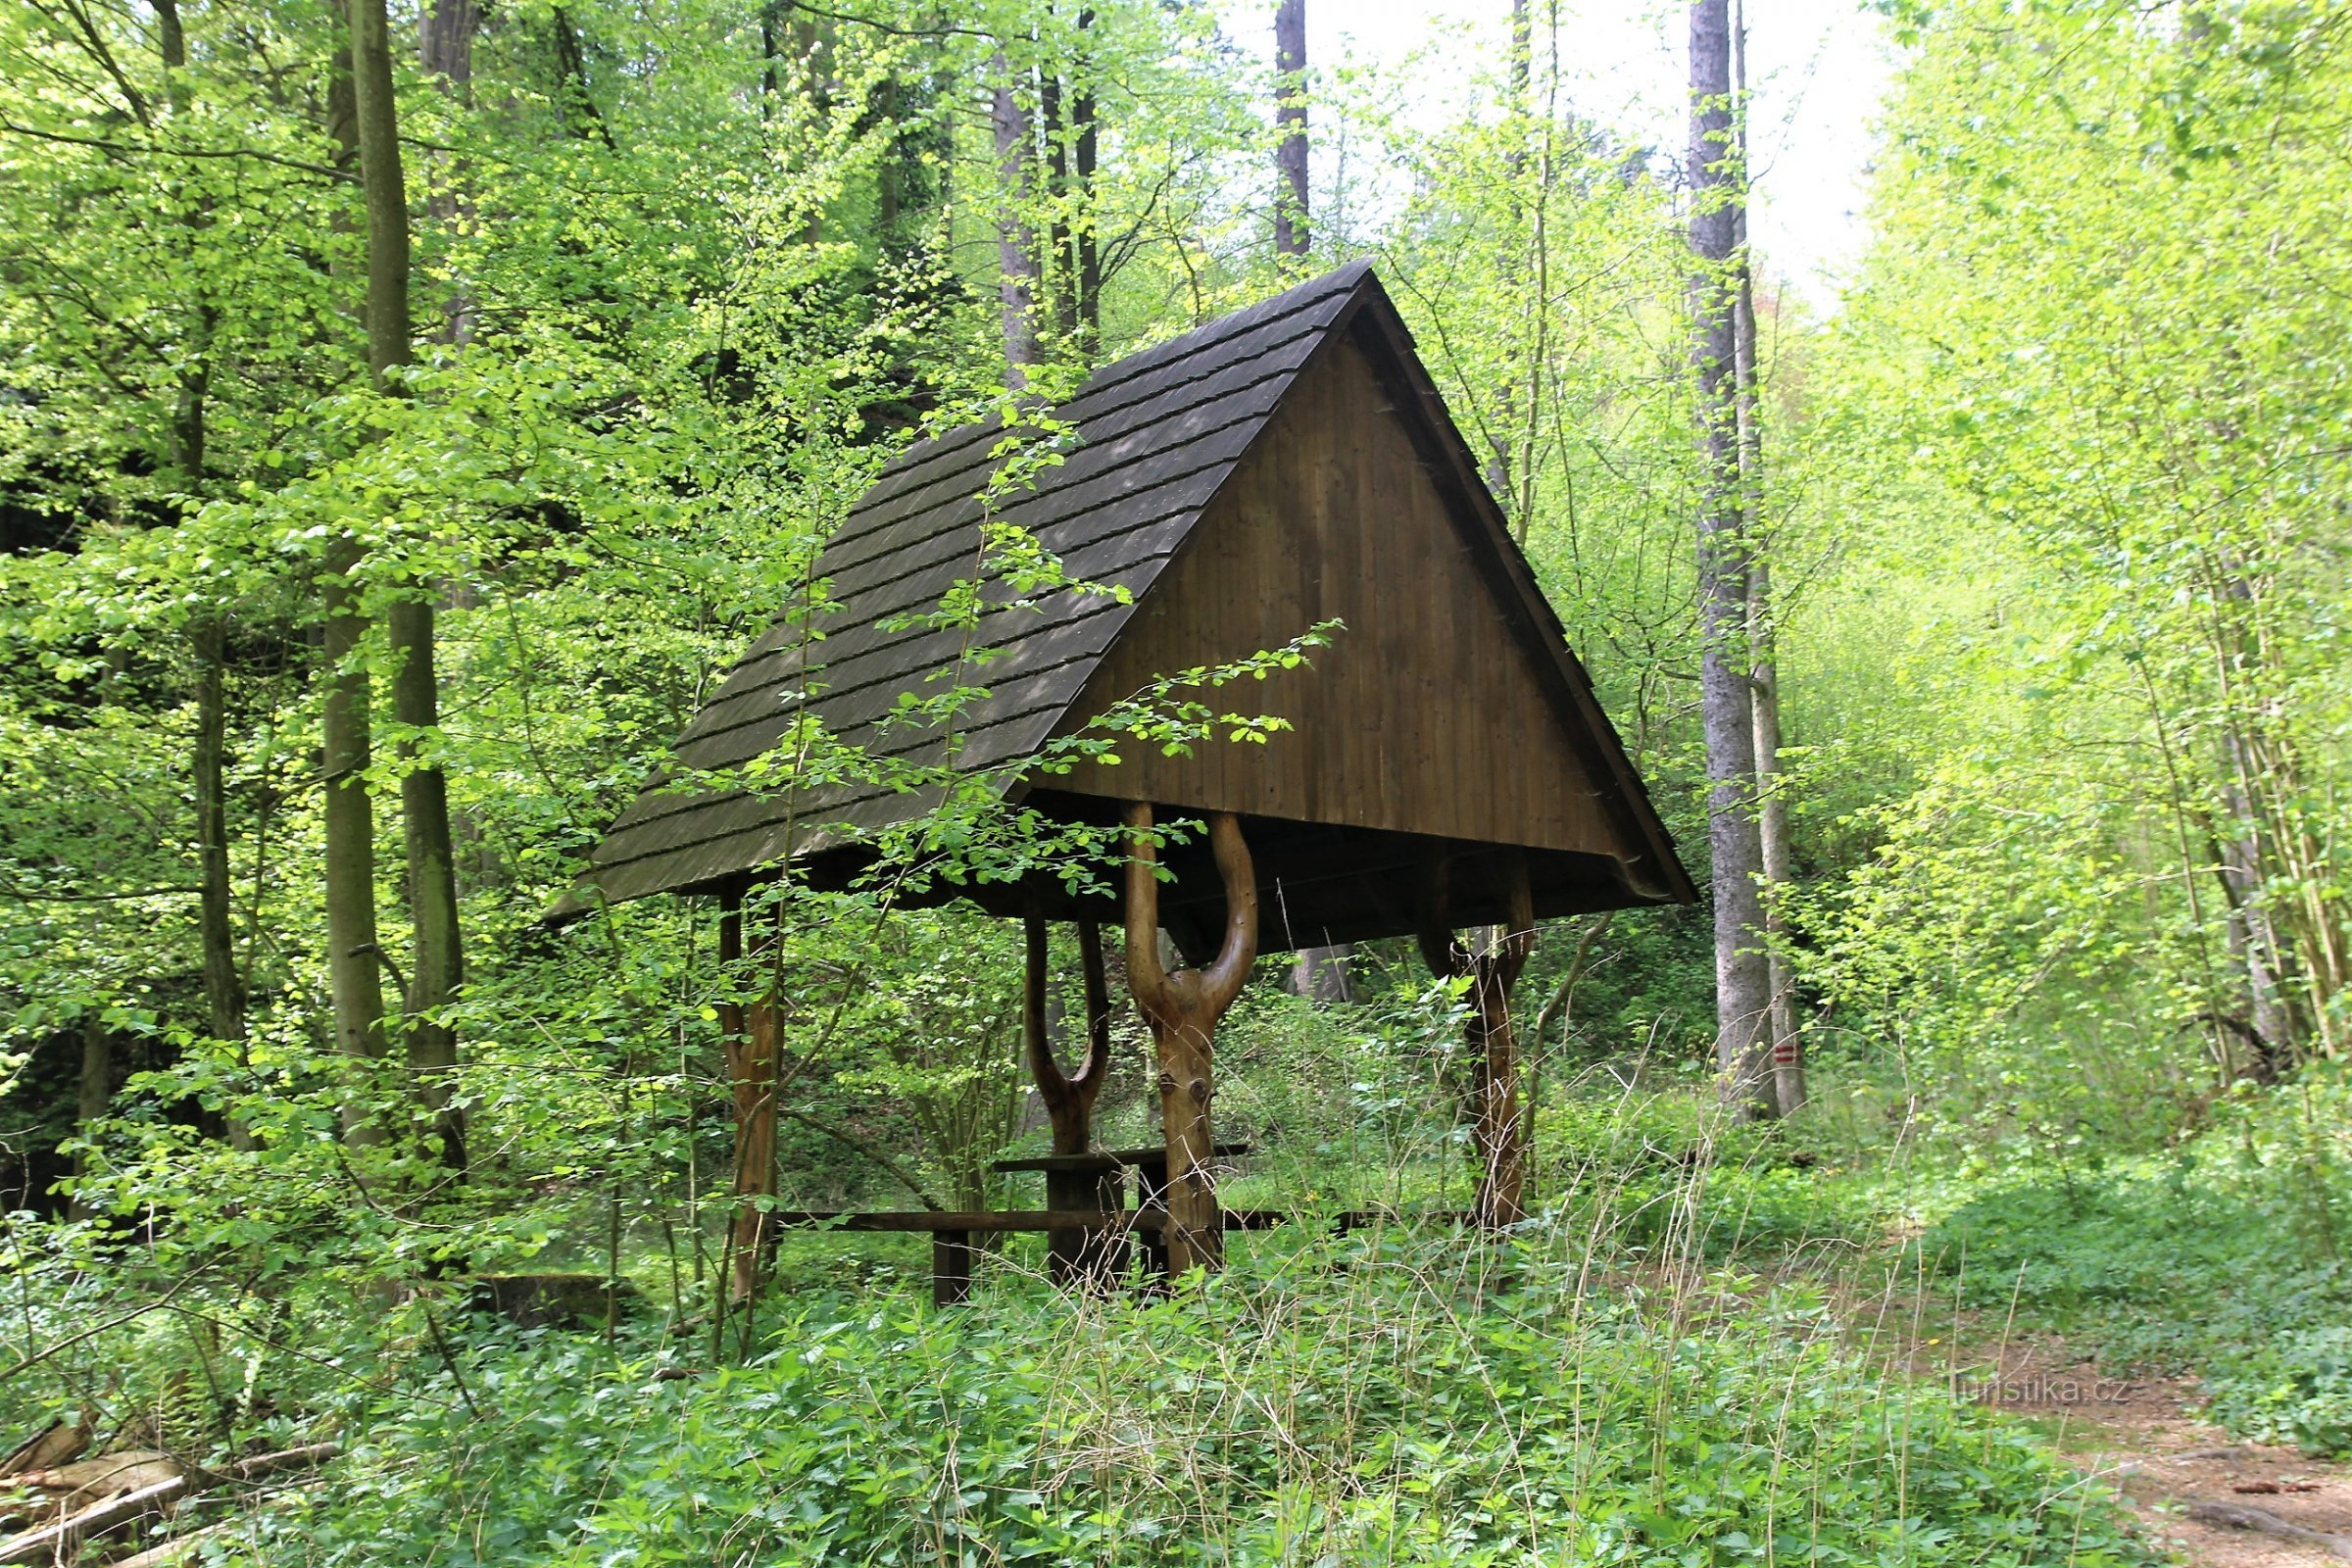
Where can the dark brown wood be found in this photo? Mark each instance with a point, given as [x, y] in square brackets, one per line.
[918, 1221]
[1423, 716]
[951, 1266]
[1110, 1159]
[1074, 1255]
[1499, 1135]
[1182, 1009]
[754, 1045]
[1290, 116]
[1299, 448]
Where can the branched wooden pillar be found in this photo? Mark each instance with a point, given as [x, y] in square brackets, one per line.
[753, 1041]
[1069, 1101]
[1492, 1037]
[1182, 1009]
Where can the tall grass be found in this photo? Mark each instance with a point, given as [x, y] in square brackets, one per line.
[1606, 1385]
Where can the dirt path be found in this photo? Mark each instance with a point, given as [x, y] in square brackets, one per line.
[2140, 1435]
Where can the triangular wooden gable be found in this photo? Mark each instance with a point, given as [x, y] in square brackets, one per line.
[1431, 713]
[1284, 466]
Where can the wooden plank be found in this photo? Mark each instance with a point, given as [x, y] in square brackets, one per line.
[951, 1266]
[1427, 655]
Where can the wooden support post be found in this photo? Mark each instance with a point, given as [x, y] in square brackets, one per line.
[1492, 1037]
[1182, 1009]
[753, 1038]
[1074, 1255]
[951, 1267]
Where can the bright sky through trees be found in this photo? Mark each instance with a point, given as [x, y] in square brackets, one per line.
[1818, 68]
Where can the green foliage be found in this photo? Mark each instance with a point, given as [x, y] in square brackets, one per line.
[2224, 1255]
[1410, 1410]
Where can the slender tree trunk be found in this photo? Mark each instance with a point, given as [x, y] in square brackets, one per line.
[1492, 967]
[1017, 242]
[95, 1090]
[355, 984]
[354, 979]
[1772, 824]
[216, 941]
[753, 1039]
[215, 935]
[1786, 1046]
[1084, 148]
[1290, 116]
[1743, 981]
[432, 1042]
[437, 962]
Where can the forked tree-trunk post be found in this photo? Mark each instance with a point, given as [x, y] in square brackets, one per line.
[1493, 1038]
[1182, 1009]
[753, 1041]
[1069, 1101]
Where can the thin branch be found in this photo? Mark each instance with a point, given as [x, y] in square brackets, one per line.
[131, 149]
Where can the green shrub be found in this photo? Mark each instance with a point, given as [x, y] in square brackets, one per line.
[2297, 1388]
[1400, 1401]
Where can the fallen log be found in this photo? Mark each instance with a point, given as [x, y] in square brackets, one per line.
[165, 1553]
[62, 1443]
[2237, 1516]
[56, 1541]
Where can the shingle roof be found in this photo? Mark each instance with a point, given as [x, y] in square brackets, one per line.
[1160, 433]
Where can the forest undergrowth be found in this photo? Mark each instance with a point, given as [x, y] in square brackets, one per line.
[1694, 1355]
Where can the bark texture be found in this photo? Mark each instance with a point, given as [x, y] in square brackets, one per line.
[1743, 980]
[1016, 241]
[1784, 1045]
[1069, 1099]
[1290, 117]
[1492, 969]
[753, 1041]
[1182, 1008]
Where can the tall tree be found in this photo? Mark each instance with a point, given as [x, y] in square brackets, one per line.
[346, 735]
[1016, 241]
[436, 964]
[1784, 1045]
[1290, 117]
[1718, 196]
[1073, 144]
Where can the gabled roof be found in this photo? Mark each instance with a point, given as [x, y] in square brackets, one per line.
[1160, 433]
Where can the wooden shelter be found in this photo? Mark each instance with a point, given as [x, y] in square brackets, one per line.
[1284, 466]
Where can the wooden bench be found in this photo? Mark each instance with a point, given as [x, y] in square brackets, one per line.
[952, 1231]
[1099, 1178]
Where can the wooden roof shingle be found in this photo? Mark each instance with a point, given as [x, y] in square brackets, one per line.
[1160, 437]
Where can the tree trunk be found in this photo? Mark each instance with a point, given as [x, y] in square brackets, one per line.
[432, 1042]
[1320, 974]
[1492, 971]
[1783, 1043]
[215, 942]
[1182, 1009]
[216, 936]
[445, 30]
[436, 965]
[752, 1038]
[95, 1090]
[348, 816]
[1016, 243]
[1742, 982]
[1069, 1101]
[1771, 826]
[353, 977]
[1290, 116]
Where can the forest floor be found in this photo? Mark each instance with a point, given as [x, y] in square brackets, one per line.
[2215, 1502]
